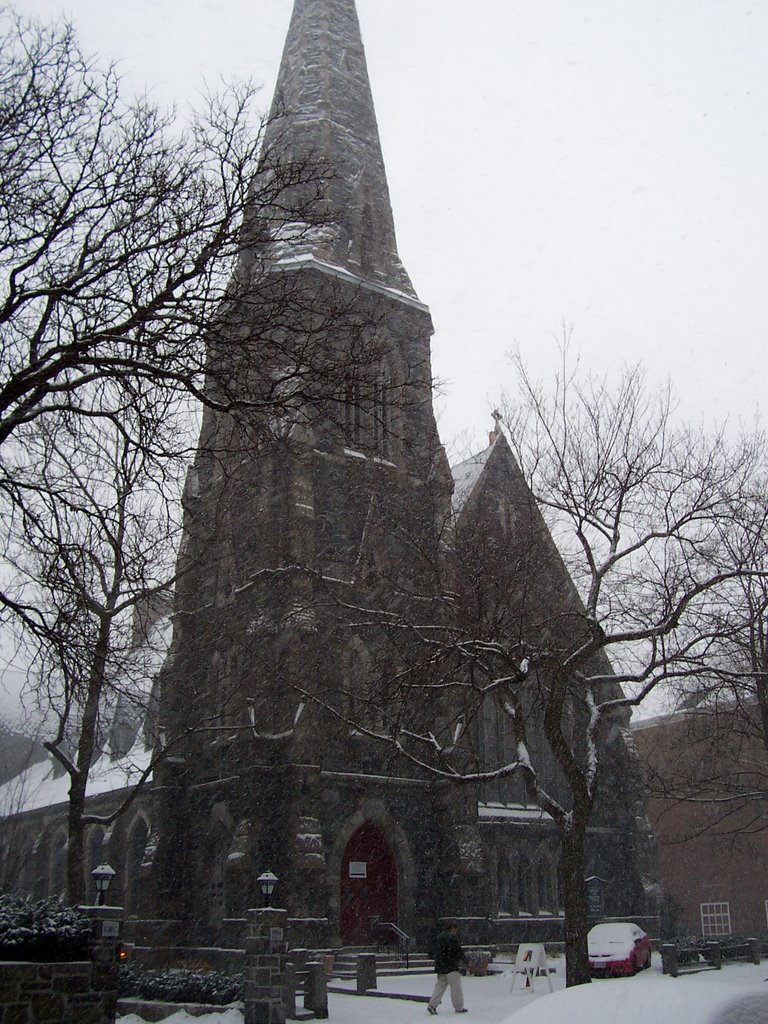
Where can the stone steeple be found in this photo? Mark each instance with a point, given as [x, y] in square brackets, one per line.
[341, 508]
[323, 111]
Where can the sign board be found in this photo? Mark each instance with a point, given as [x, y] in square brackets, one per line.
[275, 938]
[531, 962]
[110, 929]
[358, 869]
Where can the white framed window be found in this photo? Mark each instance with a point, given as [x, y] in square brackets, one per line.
[716, 919]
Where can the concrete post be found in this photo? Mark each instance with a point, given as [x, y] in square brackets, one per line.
[669, 959]
[715, 954]
[366, 972]
[316, 992]
[265, 962]
[290, 984]
[754, 950]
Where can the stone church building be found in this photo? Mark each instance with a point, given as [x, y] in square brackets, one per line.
[320, 550]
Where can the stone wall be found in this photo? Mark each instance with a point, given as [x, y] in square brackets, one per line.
[81, 992]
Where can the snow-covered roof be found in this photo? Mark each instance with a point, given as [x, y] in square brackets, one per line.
[465, 476]
[292, 260]
[42, 785]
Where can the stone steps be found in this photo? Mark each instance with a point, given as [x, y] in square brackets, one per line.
[389, 965]
[378, 994]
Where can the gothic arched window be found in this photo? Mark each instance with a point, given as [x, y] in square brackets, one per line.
[524, 886]
[504, 882]
[356, 692]
[138, 836]
[94, 855]
[544, 885]
[381, 421]
[57, 872]
[367, 416]
[220, 847]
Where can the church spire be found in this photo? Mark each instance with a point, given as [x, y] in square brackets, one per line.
[324, 110]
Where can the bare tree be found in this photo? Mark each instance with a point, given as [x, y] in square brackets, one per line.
[715, 756]
[91, 545]
[132, 249]
[145, 269]
[588, 572]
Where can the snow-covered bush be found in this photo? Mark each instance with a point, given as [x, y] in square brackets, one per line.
[477, 961]
[180, 986]
[42, 930]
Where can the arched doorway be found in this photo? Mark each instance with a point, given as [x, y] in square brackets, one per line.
[368, 884]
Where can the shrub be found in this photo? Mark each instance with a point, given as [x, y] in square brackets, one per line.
[180, 986]
[42, 930]
[477, 961]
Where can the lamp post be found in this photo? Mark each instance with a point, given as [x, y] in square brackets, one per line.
[102, 876]
[267, 882]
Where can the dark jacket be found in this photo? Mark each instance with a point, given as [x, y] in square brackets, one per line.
[448, 953]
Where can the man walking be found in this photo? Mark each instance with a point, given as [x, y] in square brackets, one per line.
[448, 956]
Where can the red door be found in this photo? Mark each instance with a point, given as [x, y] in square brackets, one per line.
[368, 884]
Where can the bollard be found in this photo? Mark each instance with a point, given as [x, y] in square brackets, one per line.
[754, 950]
[366, 972]
[715, 955]
[669, 959]
[316, 992]
[289, 990]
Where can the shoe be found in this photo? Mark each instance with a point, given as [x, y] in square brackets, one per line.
[432, 1010]
[465, 1010]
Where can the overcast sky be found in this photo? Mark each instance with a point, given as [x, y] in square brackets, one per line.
[602, 163]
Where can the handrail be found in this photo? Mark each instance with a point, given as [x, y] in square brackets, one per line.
[403, 939]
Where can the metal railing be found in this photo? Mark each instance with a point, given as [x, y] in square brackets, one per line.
[387, 933]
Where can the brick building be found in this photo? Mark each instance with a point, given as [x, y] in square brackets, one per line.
[706, 771]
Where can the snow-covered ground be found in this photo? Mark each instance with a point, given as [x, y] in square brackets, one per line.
[738, 994]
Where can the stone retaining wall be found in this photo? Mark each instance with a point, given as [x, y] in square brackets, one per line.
[77, 992]
[81, 992]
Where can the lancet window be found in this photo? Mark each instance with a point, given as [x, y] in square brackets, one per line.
[367, 415]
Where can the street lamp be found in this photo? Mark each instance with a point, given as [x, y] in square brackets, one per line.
[267, 882]
[102, 876]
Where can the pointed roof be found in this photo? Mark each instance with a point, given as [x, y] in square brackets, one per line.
[323, 109]
[466, 475]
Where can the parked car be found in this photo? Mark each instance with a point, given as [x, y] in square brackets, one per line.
[618, 949]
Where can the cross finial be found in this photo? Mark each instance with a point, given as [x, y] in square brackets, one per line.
[497, 418]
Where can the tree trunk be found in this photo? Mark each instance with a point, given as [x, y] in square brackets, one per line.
[86, 749]
[76, 884]
[572, 835]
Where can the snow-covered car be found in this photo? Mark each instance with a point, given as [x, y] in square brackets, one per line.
[618, 948]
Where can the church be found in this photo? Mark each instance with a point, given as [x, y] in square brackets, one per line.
[323, 552]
